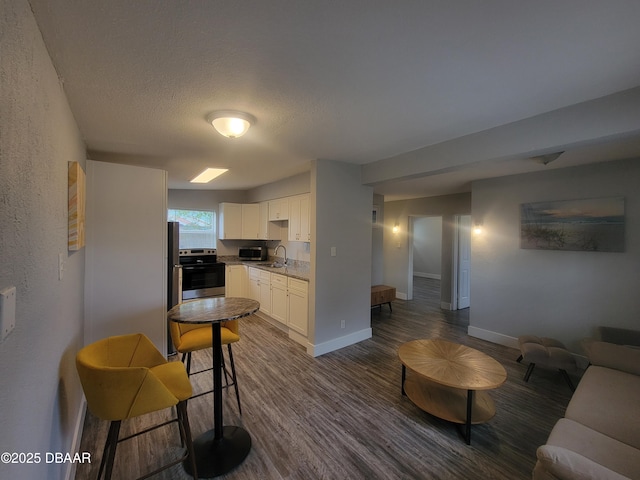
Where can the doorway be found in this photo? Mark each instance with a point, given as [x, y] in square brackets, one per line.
[461, 292]
[425, 255]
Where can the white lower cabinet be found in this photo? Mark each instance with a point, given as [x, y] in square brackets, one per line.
[284, 299]
[279, 297]
[235, 281]
[298, 305]
[264, 286]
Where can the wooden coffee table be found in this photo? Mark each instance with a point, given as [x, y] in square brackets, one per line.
[449, 380]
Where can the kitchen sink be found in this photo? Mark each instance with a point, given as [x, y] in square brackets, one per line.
[271, 264]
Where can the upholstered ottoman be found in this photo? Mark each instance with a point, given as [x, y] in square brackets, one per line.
[545, 352]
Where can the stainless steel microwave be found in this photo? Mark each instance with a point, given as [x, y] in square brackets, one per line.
[253, 253]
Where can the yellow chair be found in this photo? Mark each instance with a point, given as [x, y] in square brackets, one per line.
[188, 338]
[126, 376]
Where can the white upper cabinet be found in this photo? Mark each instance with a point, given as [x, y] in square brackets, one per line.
[250, 221]
[268, 230]
[278, 209]
[299, 224]
[230, 221]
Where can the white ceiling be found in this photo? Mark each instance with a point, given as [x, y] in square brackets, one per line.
[355, 80]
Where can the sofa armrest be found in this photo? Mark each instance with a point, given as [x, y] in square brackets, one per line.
[610, 355]
[567, 465]
[619, 336]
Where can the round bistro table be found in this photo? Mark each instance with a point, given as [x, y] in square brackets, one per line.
[219, 450]
[450, 381]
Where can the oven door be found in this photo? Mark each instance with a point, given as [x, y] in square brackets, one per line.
[202, 280]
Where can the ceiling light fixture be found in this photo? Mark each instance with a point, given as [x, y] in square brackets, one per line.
[208, 175]
[230, 123]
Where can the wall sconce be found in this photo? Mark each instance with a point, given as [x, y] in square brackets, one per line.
[477, 228]
[396, 229]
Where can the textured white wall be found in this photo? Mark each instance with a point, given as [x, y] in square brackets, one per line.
[40, 394]
[545, 292]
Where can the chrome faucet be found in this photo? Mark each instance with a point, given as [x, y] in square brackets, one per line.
[285, 252]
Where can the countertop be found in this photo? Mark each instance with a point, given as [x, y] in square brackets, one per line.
[299, 270]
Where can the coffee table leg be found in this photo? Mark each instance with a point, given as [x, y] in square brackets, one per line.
[467, 435]
[404, 376]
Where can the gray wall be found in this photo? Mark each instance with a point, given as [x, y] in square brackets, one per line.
[396, 246]
[40, 393]
[341, 285]
[552, 293]
[427, 247]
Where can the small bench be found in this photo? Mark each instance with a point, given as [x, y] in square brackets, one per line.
[547, 352]
[381, 294]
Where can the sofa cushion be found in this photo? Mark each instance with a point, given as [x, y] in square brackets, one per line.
[589, 446]
[606, 400]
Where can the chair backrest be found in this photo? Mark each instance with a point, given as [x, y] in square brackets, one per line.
[116, 377]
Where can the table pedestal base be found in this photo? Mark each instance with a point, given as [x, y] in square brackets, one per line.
[217, 457]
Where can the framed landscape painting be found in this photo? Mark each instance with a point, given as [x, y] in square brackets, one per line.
[595, 225]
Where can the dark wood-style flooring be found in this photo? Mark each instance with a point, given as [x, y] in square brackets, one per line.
[342, 415]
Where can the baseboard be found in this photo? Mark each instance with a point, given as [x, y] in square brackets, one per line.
[77, 438]
[493, 337]
[435, 276]
[401, 296]
[299, 338]
[338, 343]
[446, 306]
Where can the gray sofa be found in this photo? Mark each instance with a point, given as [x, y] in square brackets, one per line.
[599, 437]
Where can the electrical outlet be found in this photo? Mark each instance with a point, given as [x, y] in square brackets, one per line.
[343, 323]
[7, 310]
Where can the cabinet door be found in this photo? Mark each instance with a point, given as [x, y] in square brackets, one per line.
[294, 219]
[279, 298]
[250, 221]
[298, 299]
[265, 292]
[305, 221]
[230, 221]
[254, 284]
[268, 230]
[235, 276]
[279, 209]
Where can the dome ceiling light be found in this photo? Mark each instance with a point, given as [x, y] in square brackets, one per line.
[231, 123]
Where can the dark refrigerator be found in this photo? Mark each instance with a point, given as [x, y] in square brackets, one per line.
[174, 272]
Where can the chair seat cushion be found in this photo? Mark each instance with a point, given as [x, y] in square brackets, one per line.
[174, 376]
[546, 352]
[200, 338]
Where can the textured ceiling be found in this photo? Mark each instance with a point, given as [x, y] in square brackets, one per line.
[355, 81]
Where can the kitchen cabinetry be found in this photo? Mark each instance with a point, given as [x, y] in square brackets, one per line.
[250, 221]
[279, 297]
[265, 292]
[230, 221]
[235, 281]
[298, 305]
[268, 230]
[299, 225]
[279, 209]
[254, 284]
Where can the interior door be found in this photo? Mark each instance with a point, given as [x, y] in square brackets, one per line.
[464, 261]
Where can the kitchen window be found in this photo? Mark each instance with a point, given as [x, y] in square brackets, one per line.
[197, 227]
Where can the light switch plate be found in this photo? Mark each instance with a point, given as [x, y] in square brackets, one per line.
[7, 310]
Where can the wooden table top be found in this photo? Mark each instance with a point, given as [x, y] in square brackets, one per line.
[213, 310]
[452, 365]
